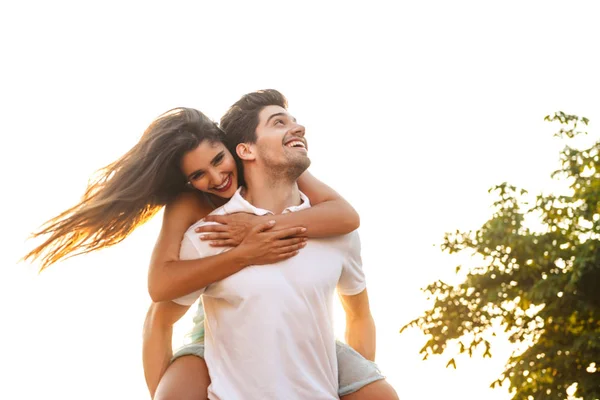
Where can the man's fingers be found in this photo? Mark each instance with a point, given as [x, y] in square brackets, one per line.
[215, 236]
[283, 233]
[211, 228]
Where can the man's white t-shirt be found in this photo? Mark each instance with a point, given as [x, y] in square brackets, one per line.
[268, 328]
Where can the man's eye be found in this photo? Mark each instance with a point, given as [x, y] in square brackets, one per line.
[278, 121]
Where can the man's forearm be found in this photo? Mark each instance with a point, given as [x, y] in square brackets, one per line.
[361, 336]
[156, 350]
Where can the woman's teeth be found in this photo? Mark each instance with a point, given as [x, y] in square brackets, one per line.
[225, 182]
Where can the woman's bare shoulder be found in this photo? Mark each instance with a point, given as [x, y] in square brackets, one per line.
[189, 206]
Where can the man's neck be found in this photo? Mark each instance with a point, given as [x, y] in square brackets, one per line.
[270, 194]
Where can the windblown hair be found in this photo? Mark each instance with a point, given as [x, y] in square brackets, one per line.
[241, 120]
[128, 192]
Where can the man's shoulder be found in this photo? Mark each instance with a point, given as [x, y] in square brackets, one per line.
[202, 248]
[346, 245]
[342, 241]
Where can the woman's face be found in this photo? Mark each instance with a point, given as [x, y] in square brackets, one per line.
[211, 168]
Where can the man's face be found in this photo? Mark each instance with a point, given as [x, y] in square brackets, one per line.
[280, 143]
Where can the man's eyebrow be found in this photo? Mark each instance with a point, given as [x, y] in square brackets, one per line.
[280, 114]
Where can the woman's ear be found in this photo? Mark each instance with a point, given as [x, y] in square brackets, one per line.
[245, 151]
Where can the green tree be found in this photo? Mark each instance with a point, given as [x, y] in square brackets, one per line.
[542, 286]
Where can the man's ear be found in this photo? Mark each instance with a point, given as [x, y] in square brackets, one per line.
[245, 151]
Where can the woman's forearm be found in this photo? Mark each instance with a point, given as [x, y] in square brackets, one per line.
[174, 279]
[330, 218]
[330, 214]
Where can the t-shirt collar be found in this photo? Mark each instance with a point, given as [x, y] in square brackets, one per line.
[238, 203]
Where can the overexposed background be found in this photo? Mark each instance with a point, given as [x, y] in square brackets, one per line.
[413, 110]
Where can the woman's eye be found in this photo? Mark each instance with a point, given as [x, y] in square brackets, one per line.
[196, 177]
[218, 160]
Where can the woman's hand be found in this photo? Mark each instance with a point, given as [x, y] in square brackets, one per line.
[263, 245]
[257, 242]
[232, 231]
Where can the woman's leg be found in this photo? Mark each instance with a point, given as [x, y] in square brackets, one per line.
[185, 379]
[360, 378]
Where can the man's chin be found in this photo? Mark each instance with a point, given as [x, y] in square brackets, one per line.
[289, 169]
[298, 167]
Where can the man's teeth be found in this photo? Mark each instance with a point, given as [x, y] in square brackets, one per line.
[296, 143]
[223, 184]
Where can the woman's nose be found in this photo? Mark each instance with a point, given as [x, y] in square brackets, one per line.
[215, 177]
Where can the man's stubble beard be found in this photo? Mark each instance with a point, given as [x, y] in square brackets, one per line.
[289, 171]
[297, 168]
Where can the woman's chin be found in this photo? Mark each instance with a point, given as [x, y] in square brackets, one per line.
[226, 194]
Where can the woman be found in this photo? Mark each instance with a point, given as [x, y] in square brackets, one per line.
[181, 163]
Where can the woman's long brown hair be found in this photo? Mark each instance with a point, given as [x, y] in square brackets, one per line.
[128, 192]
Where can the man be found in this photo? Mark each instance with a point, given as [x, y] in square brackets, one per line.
[269, 332]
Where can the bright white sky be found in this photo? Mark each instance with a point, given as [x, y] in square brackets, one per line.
[412, 112]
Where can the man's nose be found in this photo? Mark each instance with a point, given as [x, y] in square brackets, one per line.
[298, 130]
